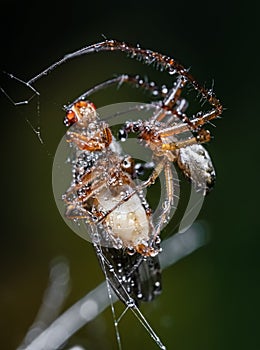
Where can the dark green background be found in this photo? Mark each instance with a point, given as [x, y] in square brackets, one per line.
[211, 299]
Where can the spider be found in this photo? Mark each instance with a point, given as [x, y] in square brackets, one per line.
[104, 195]
[105, 192]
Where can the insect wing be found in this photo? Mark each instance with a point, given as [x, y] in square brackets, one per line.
[131, 276]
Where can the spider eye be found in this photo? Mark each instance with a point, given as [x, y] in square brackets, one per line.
[70, 118]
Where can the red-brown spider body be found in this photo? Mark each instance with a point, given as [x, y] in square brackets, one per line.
[103, 191]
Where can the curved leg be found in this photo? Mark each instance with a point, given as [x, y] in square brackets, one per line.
[169, 200]
[135, 80]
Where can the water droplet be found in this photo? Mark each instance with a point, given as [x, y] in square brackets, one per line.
[164, 90]
[171, 70]
[130, 303]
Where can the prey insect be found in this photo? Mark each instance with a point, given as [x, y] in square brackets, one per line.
[105, 192]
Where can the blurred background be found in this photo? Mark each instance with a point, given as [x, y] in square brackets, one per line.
[210, 299]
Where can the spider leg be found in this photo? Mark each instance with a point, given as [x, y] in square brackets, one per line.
[127, 196]
[162, 166]
[27, 84]
[76, 212]
[174, 104]
[83, 142]
[100, 141]
[96, 186]
[162, 61]
[156, 172]
[135, 80]
[202, 137]
[174, 94]
[138, 189]
[170, 104]
[149, 57]
[169, 200]
[194, 125]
